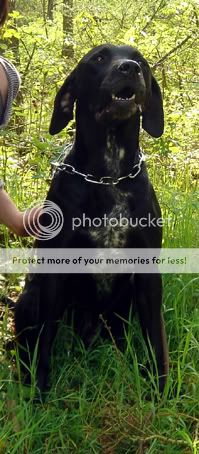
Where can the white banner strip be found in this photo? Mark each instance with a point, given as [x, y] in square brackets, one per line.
[99, 260]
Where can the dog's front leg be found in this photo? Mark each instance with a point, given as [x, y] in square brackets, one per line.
[148, 289]
[37, 310]
[47, 336]
[51, 310]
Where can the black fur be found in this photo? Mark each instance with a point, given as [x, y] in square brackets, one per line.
[106, 143]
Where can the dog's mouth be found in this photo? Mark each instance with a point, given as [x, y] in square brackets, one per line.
[121, 104]
[126, 94]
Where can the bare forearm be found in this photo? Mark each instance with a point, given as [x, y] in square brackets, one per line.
[10, 215]
[14, 219]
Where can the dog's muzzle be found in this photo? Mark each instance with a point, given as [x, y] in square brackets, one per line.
[123, 92]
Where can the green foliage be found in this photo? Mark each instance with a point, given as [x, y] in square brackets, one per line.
[99, 402]
[36, 45]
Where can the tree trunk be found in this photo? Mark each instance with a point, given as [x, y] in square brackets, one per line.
[14, 41]
[68, 49]
[50, 9]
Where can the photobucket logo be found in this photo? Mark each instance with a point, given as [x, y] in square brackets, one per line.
[116, 222]
[32, 220]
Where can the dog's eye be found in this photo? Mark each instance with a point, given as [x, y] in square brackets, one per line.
[143, 64]
[99, 58]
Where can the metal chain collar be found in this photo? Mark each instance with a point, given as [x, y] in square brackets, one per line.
[105, 180]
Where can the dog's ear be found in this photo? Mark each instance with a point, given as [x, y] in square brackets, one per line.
[64, 104]
[153, 115]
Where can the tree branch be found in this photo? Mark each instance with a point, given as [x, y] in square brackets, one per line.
[172, 51]
[161, 4]
[28, 64]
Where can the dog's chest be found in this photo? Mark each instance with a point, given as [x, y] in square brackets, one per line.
[114, 154]
[111, 229]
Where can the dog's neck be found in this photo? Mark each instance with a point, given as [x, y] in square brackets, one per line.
[107, 150]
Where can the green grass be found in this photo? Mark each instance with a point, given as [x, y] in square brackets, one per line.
[98, 401]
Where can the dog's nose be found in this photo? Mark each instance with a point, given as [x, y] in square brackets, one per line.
[129, 67]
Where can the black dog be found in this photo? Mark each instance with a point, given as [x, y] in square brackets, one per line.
[113, 88]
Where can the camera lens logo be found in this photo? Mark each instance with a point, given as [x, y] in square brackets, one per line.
[54, 220]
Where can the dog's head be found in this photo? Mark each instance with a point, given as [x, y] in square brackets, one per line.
[111, 83]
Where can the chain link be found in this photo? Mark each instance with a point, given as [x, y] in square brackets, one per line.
[105, 180]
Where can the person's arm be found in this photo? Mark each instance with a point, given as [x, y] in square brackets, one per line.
[14, 219]
[3, 85]
[10, 216]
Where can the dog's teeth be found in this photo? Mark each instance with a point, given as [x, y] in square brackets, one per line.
[117, 98]
[140, 108]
